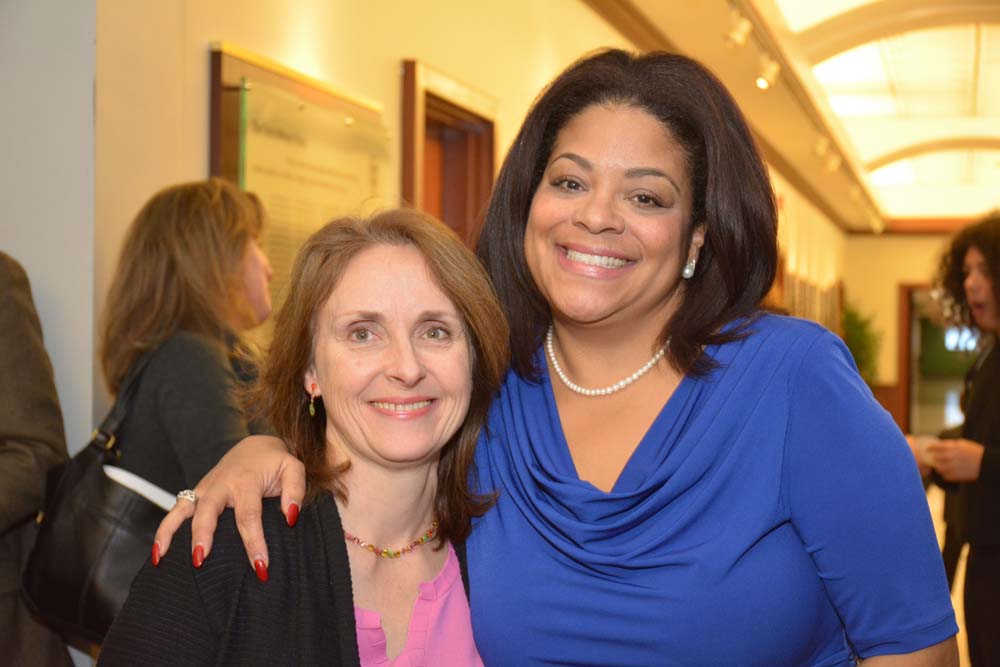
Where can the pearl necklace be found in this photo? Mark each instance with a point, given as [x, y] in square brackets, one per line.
[617, 386]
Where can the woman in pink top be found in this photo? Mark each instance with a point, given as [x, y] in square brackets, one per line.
[386, 354]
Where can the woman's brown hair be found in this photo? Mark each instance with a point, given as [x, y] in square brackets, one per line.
[179, 269]
[280, 397]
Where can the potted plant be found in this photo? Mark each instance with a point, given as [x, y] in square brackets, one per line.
[863, 341]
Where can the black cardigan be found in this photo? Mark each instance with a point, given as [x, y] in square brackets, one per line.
[222, 615]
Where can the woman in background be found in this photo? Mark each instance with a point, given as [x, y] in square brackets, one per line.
[970, 278]
[191, 278]
[385, 357]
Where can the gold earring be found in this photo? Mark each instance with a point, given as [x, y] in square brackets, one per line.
[312, 401]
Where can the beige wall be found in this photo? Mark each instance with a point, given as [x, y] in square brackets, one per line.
[874, 268]
[812, 245]
[153, 75]
[47, 182]
[133, 116]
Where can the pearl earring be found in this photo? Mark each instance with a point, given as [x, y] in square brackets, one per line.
[688, 271]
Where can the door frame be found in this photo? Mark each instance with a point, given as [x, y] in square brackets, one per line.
[429, 93]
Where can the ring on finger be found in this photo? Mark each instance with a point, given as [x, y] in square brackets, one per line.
[188, 494]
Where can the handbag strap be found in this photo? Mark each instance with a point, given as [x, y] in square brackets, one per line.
[104, 436]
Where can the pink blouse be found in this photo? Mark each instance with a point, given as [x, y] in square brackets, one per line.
[440, 633]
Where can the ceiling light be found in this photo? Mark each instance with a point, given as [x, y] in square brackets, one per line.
[768, 73]
[833, 163]
[876, 222]
[821, 147]
[739, 31]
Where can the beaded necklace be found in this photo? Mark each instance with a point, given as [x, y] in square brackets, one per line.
[616, 387]
[383, 552]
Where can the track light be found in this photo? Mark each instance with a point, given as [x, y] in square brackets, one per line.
[876, 222]
[768, 73]
[739, 30]
[822, 147]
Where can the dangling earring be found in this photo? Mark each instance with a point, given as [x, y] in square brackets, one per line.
[688, 271]
[312, 401]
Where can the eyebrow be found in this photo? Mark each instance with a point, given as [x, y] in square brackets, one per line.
[635, 172]
[376, 316]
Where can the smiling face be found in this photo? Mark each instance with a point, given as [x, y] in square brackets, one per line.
[605, 234]
[392, 361]
[979, 292]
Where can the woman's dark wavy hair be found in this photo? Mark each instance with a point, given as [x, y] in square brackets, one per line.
[985, 237]
[732, 197]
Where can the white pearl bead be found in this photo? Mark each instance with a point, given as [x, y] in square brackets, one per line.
[618, 386]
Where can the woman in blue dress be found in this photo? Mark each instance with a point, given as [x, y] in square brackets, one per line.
[681, 479]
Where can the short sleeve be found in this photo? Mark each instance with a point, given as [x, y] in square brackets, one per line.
[855, 497]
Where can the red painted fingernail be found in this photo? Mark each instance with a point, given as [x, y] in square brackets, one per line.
[156, 554]
[260, 569]
[198, 557]
[293, 514]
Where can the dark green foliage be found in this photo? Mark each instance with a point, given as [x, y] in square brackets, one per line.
[935, 360]
[863, 341]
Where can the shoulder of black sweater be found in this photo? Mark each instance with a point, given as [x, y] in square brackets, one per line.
[187, 349]
[228, 557]
[226, 616]
[187, 352]
[227, 545]
[227, 569]
[318, 527]
[189, 360]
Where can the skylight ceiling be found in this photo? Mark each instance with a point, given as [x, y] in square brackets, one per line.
[921, 108]
[802, 14]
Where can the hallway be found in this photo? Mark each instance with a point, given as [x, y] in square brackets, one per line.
[935, 499]
[936, 407]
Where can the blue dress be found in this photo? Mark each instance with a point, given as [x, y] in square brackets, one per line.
[772, 515]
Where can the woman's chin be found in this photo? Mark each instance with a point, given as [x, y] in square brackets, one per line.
[986, 322]
[584, 311]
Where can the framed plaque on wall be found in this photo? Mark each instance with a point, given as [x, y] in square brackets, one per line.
[308, 151]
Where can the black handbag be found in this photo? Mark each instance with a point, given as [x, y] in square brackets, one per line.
[94, 535]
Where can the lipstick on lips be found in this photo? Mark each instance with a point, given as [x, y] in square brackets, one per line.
[978, 312]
